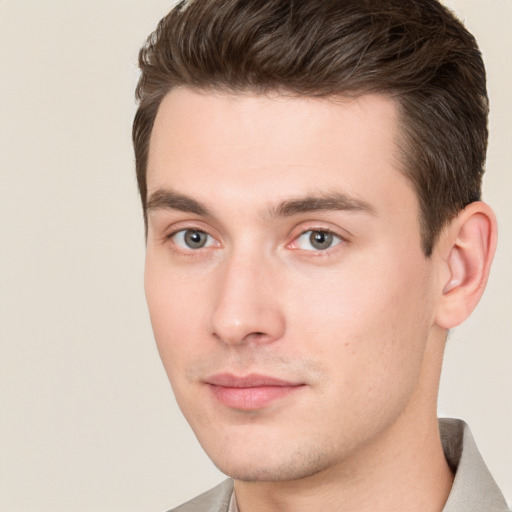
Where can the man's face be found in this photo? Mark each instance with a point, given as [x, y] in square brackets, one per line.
[291, 302]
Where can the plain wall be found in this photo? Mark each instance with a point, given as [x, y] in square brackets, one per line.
[87, 418]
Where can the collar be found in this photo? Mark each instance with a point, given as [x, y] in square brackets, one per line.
[474, 489]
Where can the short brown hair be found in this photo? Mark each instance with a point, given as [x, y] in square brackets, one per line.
[417, 51]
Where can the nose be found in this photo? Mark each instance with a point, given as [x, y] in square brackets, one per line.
[247, 307]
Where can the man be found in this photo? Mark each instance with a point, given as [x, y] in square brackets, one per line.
[310, 177]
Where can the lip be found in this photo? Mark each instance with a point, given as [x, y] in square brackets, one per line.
[249, 392]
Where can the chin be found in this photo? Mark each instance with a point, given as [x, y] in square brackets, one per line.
[274, 465]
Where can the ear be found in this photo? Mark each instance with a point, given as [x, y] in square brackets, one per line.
[467, 249]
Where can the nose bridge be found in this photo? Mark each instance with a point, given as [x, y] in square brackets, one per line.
[246, 306]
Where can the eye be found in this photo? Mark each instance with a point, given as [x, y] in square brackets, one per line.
[313, 240]
[192, 239]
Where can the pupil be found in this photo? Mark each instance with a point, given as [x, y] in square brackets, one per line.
[320, 239]
[195, 239]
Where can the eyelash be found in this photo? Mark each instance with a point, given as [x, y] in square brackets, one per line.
[314, 253]
[191, 252]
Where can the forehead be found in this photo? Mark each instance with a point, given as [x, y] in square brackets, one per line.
[251, 147]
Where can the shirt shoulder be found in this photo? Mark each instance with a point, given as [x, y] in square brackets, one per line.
[214, 500]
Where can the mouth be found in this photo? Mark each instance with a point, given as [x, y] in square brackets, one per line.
[250, 392]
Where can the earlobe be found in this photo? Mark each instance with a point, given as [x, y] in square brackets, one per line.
[470, 243]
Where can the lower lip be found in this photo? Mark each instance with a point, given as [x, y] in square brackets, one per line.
[251, 399]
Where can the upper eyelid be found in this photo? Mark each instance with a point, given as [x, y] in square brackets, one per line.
[295, 232]
[174, 232]
[189, 225]
[333, 233]
[302, 228]
[160, 216]
[321, 230]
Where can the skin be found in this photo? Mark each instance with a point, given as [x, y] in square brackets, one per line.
[356, 328]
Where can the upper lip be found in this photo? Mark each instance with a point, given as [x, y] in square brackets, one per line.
[252, 380]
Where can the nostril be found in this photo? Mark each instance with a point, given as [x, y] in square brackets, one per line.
[257, 336]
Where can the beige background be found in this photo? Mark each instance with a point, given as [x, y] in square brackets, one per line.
[87, 419]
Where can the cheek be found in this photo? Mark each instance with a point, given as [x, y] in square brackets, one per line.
[369, 323]
[174, 310]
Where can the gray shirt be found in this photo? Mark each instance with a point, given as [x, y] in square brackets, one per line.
[474, 489]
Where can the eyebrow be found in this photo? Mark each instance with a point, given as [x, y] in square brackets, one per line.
[331, 201]
[166, 199]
